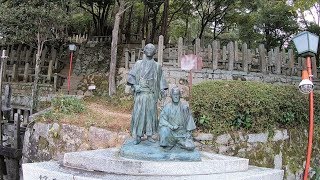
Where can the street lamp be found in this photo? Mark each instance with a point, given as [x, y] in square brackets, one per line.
[72, 48]
[307, 46]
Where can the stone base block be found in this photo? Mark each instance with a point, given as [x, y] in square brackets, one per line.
[108, 160]
[53, 170]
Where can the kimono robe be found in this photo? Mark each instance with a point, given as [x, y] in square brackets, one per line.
[176, 115]
[148, 77]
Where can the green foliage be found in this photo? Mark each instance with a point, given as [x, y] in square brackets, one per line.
[68, 105]
[316, 176]
[251, 106]
[21, 22]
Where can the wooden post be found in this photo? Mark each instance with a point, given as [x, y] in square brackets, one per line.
[55, 82]
[291, 61]
[16, 145]
[54, 58]
[26, 72]
[160, 50]
[143, 44]
[126, 58]
[236, 54]
[230, 56]
[215, 54]
[180, 50]
[245, 57]
[262, 59]
[19, 54]
[314, 69]
[12, 55]
[209, 51]
[133, 56]
[50, 71]
[278, 62]
[224, 54]
[3, 60]
[249, 56]
[14, 73]
[284, 62]
[198, 47]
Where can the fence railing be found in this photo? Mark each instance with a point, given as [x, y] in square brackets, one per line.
[233, 56]
[20, 64]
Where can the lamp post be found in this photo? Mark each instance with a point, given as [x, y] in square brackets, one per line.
[72, 48]
[307, 46]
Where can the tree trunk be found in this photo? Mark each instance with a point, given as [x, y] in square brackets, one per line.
[114, 44]
[164, 28]
[128, 26]
[35, 90]
[144, 23]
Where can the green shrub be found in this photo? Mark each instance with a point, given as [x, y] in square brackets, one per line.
[253, 106]
[68, 105]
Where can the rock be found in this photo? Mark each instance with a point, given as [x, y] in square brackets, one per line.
[204, 137]
[223, 149]
[72, 136]
[80, 93]
[88, 93]
[280, 135]
[261, 137]
[101, 138]
[223, 139]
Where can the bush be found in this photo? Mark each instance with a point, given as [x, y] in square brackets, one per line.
[252, 106]
[68, 105]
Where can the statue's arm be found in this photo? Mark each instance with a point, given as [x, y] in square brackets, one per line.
[190, 124]
[132, 78]
[164, 119]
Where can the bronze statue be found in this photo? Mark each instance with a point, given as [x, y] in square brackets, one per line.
[148, 85]
[176, 124]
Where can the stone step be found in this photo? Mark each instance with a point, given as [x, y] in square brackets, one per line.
[55, 170]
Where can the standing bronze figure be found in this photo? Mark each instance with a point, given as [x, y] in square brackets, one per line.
[148, 84]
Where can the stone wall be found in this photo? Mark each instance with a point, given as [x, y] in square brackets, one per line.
[92, 57]
[44, 142]
[281, 149]
[175, 75]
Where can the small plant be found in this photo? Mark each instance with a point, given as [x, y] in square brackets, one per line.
[204, 121]
[242, 121]
[316, 176]
[68, 105]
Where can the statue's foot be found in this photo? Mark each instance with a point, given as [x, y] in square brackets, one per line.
[137, 140]
[149, 138]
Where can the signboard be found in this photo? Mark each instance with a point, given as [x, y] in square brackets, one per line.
[191, 62]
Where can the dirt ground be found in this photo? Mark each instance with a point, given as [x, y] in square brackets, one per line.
[101, 115]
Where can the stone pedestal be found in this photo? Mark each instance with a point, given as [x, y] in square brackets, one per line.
[107, 164]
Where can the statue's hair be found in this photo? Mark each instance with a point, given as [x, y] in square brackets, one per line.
[175, 89]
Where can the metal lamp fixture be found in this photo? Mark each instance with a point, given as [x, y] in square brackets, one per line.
[72, 48]
[307, 46]
[305, 86]
[306, 43]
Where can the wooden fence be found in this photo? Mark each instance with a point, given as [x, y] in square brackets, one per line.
[19, 66]
[231, 57]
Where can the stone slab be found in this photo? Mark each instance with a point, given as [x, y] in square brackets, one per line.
[54, 171]
[149, 151]
[108, 160]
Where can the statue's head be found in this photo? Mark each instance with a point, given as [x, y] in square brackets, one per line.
[175, 94]
[149, 50]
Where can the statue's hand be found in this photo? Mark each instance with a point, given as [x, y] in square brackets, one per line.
[175, 127]
[137, 88]
[163, 94]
